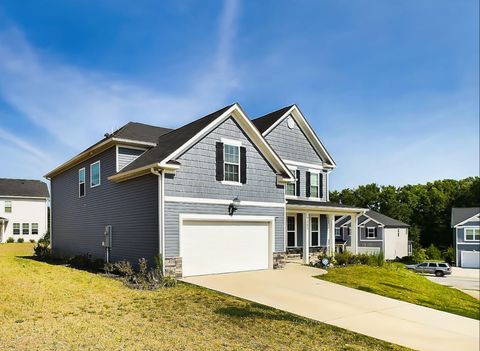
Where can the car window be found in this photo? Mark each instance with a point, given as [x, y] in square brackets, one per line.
[432, 265]
[422, 265]
[443, 265]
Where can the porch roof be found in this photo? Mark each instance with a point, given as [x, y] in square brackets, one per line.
[2, 219]
[327, 206]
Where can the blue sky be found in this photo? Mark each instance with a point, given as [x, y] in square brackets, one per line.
[391, 87]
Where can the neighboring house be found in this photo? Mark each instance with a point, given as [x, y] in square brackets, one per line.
[466, 236]
[220, 194]
[23, 209]
[376, 233]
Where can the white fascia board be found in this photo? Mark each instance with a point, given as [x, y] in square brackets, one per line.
[327, 209]
[197, 200]
[467, 220]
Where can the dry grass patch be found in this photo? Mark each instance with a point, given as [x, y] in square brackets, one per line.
[48, 307]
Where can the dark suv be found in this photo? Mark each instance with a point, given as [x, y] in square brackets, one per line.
[438, 268]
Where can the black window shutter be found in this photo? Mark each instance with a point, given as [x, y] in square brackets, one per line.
[307, 184]
[219, 161]
[376, 231]
[321, 184]
[297, 191]
[243, 165]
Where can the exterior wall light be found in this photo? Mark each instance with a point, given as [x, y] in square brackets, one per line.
[233, 206]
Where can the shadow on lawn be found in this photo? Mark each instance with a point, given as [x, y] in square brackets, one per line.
[254, 310]
[396, 287]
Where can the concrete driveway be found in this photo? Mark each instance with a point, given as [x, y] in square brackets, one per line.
[465, 279]
[293, 289]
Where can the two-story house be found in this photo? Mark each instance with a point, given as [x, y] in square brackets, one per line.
[23, 209]
[220, 194]
[466, 236]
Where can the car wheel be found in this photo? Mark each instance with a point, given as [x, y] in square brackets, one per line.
[439, 274]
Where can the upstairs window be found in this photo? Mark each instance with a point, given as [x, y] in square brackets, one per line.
[337, 231]
[81, 182]
[25, 228]
[232, 163]
[371, 233]
[95, 174]
[34, 228]
[16, 228]
[8, 206]
[472, 234]
[314, 185]
[293, 189]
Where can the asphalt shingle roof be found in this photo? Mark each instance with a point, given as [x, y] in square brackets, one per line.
[459, 214]
[23, 187]
[388, 222]
[264, 122]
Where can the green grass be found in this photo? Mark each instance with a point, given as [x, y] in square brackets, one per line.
[53, 307]
[395, 281]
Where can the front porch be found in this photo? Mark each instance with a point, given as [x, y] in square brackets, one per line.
[310, 229]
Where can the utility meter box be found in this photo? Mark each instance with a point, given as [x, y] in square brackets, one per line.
[107, 241]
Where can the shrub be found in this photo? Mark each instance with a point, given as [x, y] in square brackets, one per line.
[10, 240]
[86, 261]
[419, 255]
[449, 255]
[345, 258]
[32, 241]
[45, 239]
[433, 253]
[405, 259]
[377, 259]
[363, 258]
[20, 240]
[42, 251]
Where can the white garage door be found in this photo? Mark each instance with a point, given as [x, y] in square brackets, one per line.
[209, 247]
[471, 259]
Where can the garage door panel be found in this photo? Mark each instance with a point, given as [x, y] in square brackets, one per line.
[211, 247]
[470, 259]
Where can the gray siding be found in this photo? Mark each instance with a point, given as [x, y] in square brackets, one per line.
[174, 209]
[461, 244]
[364, 242]
[196, 176]
[292, 144]
[130, 207]
[127, 156]
[323, 230]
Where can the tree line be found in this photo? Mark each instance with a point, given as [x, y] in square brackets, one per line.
[425, 207]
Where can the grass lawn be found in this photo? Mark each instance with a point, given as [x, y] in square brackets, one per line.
[52, 307]
[394, 281]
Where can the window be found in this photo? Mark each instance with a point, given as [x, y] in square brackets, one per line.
[291, 232]
[315, 231]
[232, 163]
[8, 206]
[371, 233]
[346, 230]
[81, 182]
[34, 228]
[314, 185]
[95, 174]
[25, 228]
[292, 187]
[434, 265]
[472, 234]
[443, 265]
[422, 265]
[337, 231]
[16, 228]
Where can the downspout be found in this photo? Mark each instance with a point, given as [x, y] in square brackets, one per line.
[161, 214]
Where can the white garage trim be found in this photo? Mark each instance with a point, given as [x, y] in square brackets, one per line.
[269, 220]
[196, 200]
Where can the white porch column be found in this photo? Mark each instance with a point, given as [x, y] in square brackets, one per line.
[354, 234]
[306, 238]
[331, 234]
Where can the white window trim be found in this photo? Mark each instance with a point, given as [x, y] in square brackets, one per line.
[23, 224]
[234, 143]
[311, 231]
[294, 172]
[367, 235]
[19, 228]
[117, 152]
[338, 232]
[5, 206]
[295, 222]
[84, 182]
[465, 233]
[31, 228]
[317, 172]
[99, 174]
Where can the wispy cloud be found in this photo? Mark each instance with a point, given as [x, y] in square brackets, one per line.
[76, 106]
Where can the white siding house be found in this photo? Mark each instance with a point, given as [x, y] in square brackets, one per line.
[23, 209]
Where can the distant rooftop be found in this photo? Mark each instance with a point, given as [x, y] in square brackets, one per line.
[23, 187]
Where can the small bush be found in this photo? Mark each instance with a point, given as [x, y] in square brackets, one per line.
[449, 255]
[10, 240]
[433, 253]
[86, 261]
[363, 258]
[20, 240]
[32, 241]
[377, 259]
[345, 258]
[419, 255]
[42, 251]
[405, 259]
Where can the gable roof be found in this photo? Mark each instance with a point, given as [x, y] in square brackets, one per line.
[265, 124]
[388, 222]
[461, 214]
[172, 140]
[176, 142]
[23, 188]
[132, 133]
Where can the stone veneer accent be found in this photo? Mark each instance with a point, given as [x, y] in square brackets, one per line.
[279, 259]
[173, 267]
